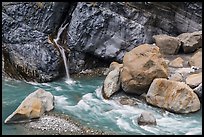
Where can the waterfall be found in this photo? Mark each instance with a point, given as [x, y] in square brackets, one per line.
[61, 49]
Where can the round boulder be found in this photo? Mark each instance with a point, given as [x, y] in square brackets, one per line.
[140, 67]
[146, 118]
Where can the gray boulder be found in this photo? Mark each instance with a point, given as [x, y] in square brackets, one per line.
[198, 91]
[191, 41]
[146, 118]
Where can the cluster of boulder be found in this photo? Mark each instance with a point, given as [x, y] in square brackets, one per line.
[168, 73]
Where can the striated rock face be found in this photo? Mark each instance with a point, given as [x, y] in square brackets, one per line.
[110, 29]
[167, 44]
[25, 30]
[196, 59]
[191, 41]
[33, 106]
[146, 118]
[112, 82]
[172, 96]
[140, 67]
[99, 32]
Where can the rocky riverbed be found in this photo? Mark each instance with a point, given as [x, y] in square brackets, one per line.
[53, 123]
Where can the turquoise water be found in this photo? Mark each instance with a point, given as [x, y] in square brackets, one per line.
[83, 101]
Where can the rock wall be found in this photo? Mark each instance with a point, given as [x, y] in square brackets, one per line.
[25, 30]
[109, 29]
[98, 32]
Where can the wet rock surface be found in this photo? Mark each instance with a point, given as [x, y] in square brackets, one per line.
[25, 30]
[146, 118]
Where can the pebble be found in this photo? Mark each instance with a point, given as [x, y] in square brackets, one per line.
[58, 124]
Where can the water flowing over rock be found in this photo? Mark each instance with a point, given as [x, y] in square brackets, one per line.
[98, 33]
[140, 67]
[25, 29]
[173, 96]
[191, 41]
[33, 106]
[167, 44]
[112, 82]
[146, 118]
[196, 59]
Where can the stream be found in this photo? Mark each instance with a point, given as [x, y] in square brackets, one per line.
[83, 101]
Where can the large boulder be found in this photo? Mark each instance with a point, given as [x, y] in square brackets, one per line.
[146, 118]
[191, 41]
[112, 82]
[196, 59]
[173, 96]
[167, 44]
[140, 67]
[194, 80]
[32, 107]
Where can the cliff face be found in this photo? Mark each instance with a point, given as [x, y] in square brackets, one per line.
[109, 29]
[98, 32]
[25, 48]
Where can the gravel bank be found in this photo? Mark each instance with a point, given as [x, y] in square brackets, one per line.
[53, 123]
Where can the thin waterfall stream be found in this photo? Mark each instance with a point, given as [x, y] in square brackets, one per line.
[62, 51]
